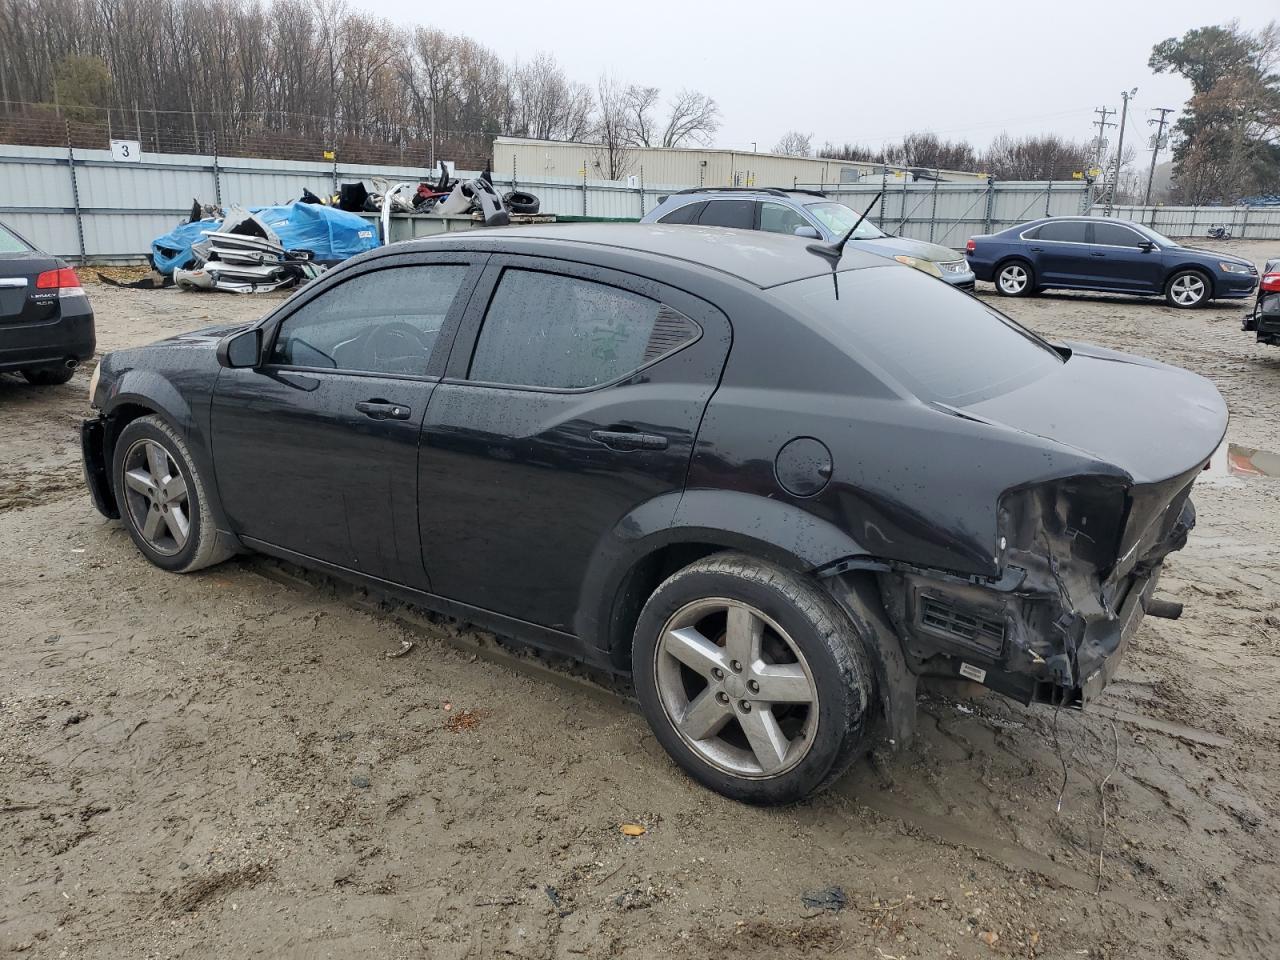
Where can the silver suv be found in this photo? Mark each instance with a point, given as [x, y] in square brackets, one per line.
[805, 213]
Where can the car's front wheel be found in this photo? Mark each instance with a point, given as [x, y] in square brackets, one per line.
[163, 499]
[752, 678]
[1015, 279]
[1187, 289]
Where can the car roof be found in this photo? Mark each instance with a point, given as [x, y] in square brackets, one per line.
[757, 257]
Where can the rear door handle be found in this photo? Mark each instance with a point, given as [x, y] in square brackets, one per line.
[629, 440]
[383, 410]
[1037, 249]
[1096, 254]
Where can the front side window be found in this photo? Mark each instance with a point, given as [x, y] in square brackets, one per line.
[1114, 235]
[1064, 231]
[385, 321]
[550, 330]
[779, 218]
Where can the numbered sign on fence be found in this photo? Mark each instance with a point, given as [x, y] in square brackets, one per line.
[126, 151]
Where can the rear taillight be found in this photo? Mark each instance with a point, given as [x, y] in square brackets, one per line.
[1271, 282]
[971, 246]
[57, 279]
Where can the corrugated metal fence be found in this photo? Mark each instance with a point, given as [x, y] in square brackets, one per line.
[83, 205]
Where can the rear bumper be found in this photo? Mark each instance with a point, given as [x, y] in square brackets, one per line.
[69, 337]
[1111, 640]
[93, 435]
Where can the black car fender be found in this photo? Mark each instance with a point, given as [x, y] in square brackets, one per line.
[687, 526]
[140, 392]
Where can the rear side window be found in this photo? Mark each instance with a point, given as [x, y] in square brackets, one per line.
[940, 344]
[1114, 235]
[1065, 231]
[550, 330]
[686, 214]
[386, 321]
[10, 243]
[729, 213]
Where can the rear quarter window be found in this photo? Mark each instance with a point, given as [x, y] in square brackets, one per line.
[940, 344]
[9, 243]
[686, 214]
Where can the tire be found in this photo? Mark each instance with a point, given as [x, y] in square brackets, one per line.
[805, 647]
[517, 201]
[1180, 291]
[48, 376]
[1015, 278]
[161, 544]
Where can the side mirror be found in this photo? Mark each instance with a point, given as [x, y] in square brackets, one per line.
[1146, 246]
[809, 232]
[241, 350]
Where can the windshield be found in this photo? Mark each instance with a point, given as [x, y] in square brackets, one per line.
[943, 345]
[838, 218]
[11, 244]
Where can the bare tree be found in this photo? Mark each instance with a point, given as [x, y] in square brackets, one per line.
[613, 156]
[694, 118]
[638, 122]
[795, 144]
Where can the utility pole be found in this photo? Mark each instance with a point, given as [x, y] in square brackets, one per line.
[1155, 149]
[1124, 115]
[1102, 125]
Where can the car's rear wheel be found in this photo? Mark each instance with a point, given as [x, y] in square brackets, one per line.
[1187, 289]
[48, 376]
[752, 679]
[1015, 278]
[162, 498]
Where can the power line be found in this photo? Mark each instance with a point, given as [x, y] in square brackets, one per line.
[1155, 149]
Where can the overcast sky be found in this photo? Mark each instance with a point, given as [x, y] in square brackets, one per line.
[963, 68]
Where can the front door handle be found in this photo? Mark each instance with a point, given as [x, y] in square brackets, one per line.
[377, 409]
[1096, 254]
[629, 440]
[1037, 249]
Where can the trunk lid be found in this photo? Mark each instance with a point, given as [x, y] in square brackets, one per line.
[1153, 421]
[20, 302]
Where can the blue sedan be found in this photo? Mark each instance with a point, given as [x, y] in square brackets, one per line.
[1117, 256]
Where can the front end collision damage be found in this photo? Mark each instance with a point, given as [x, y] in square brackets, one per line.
[1079, 563]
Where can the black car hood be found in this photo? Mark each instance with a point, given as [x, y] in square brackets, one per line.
[1148, 419]
[204, 334]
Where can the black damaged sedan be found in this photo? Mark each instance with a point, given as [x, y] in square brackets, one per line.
[774, 493]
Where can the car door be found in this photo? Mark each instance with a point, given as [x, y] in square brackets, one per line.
[316, 451]
[1061, 253]
[1122, 262]
[728, 212]
[572, 397]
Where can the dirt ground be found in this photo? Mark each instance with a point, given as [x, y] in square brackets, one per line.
[230, 764]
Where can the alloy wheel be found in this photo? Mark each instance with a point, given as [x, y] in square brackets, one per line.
[1013, 278]
[1187, 290]
[736, 688]
[156, 496]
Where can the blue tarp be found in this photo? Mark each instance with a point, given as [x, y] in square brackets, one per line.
[330, 234]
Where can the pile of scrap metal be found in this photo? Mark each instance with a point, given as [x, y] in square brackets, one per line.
[449, 197]
[261, 249]
[244, 255]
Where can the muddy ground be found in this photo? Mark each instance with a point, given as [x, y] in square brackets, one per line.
[230, 765]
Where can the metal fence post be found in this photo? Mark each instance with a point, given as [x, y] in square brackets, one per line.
[1048, 196]
[217, 178]
[642, 189]
[1244, 225]
[902, 224]
[991, 199]
[884, 185]
[933, 214]
[515, 183]
[584, 189]
[75, 190]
